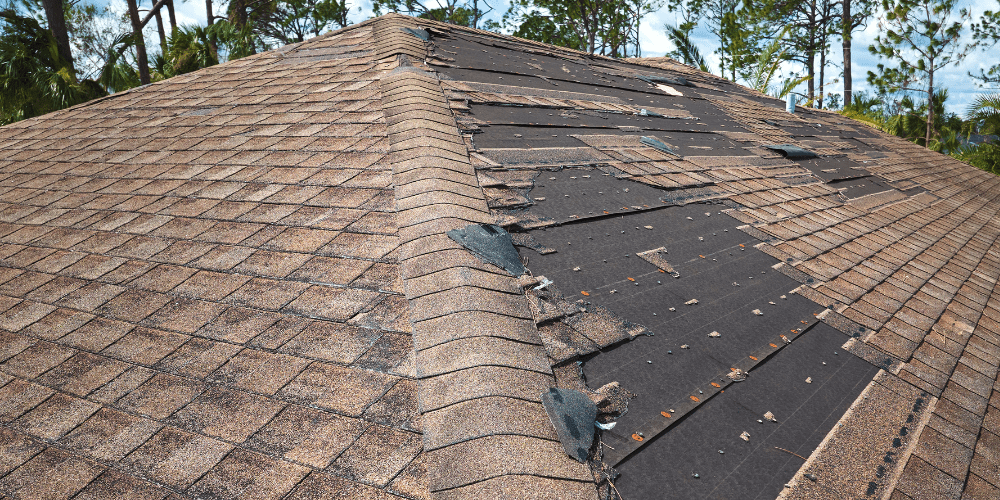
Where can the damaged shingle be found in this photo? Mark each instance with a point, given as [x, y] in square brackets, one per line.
[491, 244]
[658, 144]
[791, 151]
[654, 79]
[419, 33]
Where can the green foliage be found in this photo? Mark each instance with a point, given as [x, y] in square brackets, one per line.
[541, 28]
[117, 74]
[685, 50]
[919, 38]
[189, 48]
[908, 118]
[768, 64]
[606, 27]
[984, 114]
[721, 20]
[464, 13]
[912, 116]
[291, 21]
[833, 101]
[985, 156]
[34, 79]
[986, 33]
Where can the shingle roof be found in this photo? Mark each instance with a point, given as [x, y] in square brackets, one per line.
[239, 283]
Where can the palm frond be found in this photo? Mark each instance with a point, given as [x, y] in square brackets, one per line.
[985, 109]
[117, 75]
[687, 52]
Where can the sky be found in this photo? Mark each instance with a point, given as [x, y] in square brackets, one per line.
[961, 88]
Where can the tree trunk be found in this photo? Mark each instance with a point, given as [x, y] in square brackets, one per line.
[822, 73]
[811, 71]
[160, 31]
[210, 17]
[172, 16]
[140, 43]
[57, 24]
[930, 105]
[241, 14]
[846, 43]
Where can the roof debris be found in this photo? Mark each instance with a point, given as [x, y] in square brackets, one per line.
[571, 414]
[669, 90]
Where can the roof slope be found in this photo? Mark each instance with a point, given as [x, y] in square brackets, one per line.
[202, 293]
[238, 283]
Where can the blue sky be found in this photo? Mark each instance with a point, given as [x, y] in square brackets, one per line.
[961, 88]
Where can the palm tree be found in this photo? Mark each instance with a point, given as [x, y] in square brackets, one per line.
[117, 74]
[188, 49]
[985, 110]
[984, 114]
[766, 67]
[34, 76]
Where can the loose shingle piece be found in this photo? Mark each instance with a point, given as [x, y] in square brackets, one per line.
[294, 275]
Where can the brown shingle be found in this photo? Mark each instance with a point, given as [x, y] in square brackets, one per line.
[145, 346]
[226, 413]
[344, 390]
[198, 357]
[330, 341]
[245, 474]
[307, 435]
[109, 435]
[36, 359]
[377, 455]
[176, 458]
[116, 484]
[161, 395]
[259, 371]
[51, 475]
[318, 485]
[338, 304]
[16, 449]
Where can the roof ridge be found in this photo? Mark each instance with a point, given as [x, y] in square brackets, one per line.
[484, 427]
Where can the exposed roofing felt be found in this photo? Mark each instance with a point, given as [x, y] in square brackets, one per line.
[238, 283]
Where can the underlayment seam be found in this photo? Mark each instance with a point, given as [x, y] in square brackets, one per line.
[484, 464]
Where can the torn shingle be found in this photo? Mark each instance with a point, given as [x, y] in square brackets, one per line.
[490, 243]
[573, 415]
